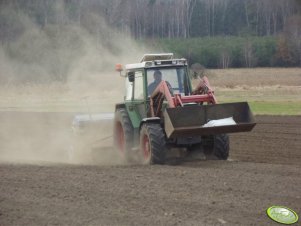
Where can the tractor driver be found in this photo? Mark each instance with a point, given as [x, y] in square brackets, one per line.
[157, 79]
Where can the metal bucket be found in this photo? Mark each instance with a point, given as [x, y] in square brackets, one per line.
[189, 121]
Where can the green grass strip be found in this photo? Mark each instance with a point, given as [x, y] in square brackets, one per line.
[276, 108]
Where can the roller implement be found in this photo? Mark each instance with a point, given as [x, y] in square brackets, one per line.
[163, 118]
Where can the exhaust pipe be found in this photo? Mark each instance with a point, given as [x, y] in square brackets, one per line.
[196, 120]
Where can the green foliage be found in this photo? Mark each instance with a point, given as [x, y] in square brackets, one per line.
[208, 50]
[285, 54]
[265, 49]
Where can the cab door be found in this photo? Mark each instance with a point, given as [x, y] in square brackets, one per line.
[136, 106]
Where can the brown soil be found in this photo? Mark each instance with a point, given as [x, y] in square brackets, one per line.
[264, 170]
[275, 139]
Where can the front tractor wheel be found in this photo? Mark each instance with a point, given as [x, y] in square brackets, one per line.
[152, 144]
[217, 146]
[221, 146]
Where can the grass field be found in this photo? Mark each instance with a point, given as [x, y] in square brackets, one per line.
[274, 91]
[276, 108]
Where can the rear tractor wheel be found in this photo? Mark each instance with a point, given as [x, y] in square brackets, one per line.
[152, 144]
[123, 134]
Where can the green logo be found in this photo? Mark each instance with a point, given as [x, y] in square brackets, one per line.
[282, 215]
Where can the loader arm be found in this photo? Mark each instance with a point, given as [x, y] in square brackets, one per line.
[202, 93]
[186, 116]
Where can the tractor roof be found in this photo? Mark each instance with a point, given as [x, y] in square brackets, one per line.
[156, 60]
[156, 56]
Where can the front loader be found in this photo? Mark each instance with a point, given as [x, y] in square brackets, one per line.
[173, 120]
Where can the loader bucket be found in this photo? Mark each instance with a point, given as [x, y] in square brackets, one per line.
[195, 120]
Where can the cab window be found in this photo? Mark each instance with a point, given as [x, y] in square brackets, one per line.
[176, 77]
[128, 90]
[138, 86]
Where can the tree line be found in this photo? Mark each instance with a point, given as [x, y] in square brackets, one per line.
[177, 24]
[235, 52]
[164, 18]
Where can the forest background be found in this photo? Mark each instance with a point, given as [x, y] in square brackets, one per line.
[213, 33]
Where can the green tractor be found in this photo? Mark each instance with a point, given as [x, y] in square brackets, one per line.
[163, 118]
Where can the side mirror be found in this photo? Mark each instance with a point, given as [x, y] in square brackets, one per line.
[131, 76]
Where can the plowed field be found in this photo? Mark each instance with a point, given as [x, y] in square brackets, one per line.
[264, 169]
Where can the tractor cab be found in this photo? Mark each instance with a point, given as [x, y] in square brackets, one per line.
[143, 78]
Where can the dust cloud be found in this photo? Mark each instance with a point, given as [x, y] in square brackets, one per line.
[45, 71]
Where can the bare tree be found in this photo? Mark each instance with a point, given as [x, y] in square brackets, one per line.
[292, 32]
[189, 7]
[225, 58]
[249, 54]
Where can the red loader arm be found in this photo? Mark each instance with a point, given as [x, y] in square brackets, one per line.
[202, 93]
